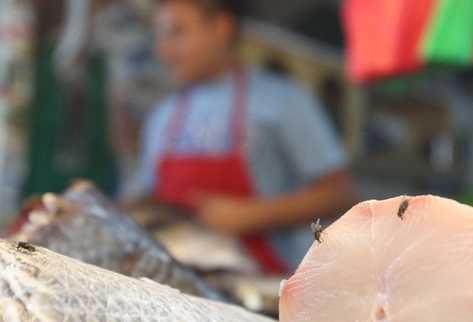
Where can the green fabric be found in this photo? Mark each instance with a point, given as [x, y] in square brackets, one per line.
[57, 154]
[449, 38]
[466, 199]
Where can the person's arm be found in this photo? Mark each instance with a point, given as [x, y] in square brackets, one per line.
[332, 195]
[310, 143]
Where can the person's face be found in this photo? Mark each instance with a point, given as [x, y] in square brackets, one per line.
[191, 42]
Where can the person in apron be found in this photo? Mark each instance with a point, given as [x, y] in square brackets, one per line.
[245, 152]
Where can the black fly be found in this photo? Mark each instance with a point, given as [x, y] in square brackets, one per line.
[317, 230]
[25, 246]
[403, 208]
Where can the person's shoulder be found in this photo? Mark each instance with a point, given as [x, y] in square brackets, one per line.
[271, 80]
[279, 93]
[279, 86]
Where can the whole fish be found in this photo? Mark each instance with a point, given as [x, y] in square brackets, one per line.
[39, 285]
[84, 225]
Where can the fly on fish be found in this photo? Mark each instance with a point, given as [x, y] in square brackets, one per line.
[317, 230]
[25, 246]
[403, 208]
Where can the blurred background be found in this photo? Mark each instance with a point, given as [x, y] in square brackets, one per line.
[78, 80]
[405, 133]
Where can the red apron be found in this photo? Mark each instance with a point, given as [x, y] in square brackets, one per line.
[183, 175]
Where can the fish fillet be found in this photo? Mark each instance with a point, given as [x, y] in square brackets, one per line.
[39, 285]
[384, 262]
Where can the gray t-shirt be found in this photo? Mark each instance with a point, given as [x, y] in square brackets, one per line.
[289, 139]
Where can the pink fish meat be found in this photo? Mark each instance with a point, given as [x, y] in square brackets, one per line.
[400, 260]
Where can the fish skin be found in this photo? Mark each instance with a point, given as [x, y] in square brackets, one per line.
[84, 225]
[373, 266]
[41, 285]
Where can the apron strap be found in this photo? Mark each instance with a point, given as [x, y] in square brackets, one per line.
[177, 121]
[237, 116]
[239, 110]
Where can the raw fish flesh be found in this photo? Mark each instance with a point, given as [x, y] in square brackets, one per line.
[400, 260]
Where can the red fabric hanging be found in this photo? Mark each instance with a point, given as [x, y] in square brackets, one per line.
[383, 36]
[415, 23]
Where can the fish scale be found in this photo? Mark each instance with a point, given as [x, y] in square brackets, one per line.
[84, 225]
[48, 287]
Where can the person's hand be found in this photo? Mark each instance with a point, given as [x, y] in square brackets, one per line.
[225, 214]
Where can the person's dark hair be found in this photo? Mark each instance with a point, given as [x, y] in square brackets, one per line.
[234, 8]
